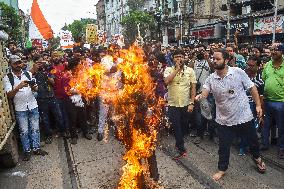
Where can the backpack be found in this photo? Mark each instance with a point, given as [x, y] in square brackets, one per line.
[11, 77]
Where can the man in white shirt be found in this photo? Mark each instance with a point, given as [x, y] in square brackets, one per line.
[233, 114]
[19, 88]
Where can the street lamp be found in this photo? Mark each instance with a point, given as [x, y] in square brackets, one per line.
[180, 20]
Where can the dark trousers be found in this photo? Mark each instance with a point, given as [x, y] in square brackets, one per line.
[179, 117]
[76, 116]
[199, 121]
[47, 106]
[226, 136]
[62, 107]
[273, 111]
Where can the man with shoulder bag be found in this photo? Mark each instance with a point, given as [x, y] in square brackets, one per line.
[19, 86]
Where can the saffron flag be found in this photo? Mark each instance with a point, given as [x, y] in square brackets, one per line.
[38, 26]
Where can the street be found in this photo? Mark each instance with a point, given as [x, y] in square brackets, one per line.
[97, 165]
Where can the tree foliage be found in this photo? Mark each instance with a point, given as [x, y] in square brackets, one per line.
[130, 22]
[78, 28]
[11, 22]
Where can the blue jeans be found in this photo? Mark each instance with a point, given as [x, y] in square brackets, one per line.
[45, 107]
[62, 107]
[28, 122]
[273, 111]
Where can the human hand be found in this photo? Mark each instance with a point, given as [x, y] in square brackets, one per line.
[22, 85]
[190, 108]
[259, 112]
[199, 97]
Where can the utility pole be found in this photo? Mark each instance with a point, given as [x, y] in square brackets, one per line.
[180, 20]
[228, 20]
[275, 20]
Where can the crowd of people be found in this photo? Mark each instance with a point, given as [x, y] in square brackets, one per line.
[221, 91]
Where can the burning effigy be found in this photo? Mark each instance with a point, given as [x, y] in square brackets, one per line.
[136, 110]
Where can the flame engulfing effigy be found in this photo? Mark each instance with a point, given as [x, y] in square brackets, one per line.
[136, 109]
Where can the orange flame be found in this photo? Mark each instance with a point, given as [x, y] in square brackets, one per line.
[137, 111]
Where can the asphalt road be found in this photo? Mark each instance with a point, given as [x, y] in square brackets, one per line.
[97, 165]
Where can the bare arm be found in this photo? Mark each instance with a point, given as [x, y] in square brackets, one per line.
[204, 94]
[14, 91]
[193, 92]
[256, 99]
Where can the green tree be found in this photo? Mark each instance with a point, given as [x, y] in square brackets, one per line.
[53, 43]
[78, 28]
[130, 22]
[10, 22]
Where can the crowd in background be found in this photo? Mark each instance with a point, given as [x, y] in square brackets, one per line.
[38, 80]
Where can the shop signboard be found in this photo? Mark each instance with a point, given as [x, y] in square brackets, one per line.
[265, 25]
[241, 25]
[204, 33]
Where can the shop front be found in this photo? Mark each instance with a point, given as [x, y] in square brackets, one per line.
[263, 29]
[209, 34]
[243, 27]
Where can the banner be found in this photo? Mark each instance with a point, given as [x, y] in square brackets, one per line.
[66, 40]
[92, 34]
[265, 25]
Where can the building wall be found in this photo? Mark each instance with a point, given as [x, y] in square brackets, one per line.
[101, 16]
[114, 10]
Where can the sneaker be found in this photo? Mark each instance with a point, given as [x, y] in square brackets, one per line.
[40, 152]
[74, 140]
[27, 156]
[48, 140]
[242, 152]
[179, 155]
[281, 154]
[100, 136]
[197, 140]
[88, 136]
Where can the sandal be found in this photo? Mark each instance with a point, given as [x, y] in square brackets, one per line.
[261, 168]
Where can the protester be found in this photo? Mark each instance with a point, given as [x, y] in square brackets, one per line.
[233, 113]
[273, 74]
[76, 108]
[202, 69]
[46, 99]
[181, 84]
[19, 87]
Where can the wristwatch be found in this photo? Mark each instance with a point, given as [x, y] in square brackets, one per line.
[191, 103]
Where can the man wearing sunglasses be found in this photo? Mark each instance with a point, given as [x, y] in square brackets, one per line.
[273, 77]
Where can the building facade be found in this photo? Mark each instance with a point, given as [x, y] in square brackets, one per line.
[253, 19]
[207, 20]
[101, 15]
[114, 11]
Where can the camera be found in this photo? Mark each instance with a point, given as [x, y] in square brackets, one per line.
[31, 82]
